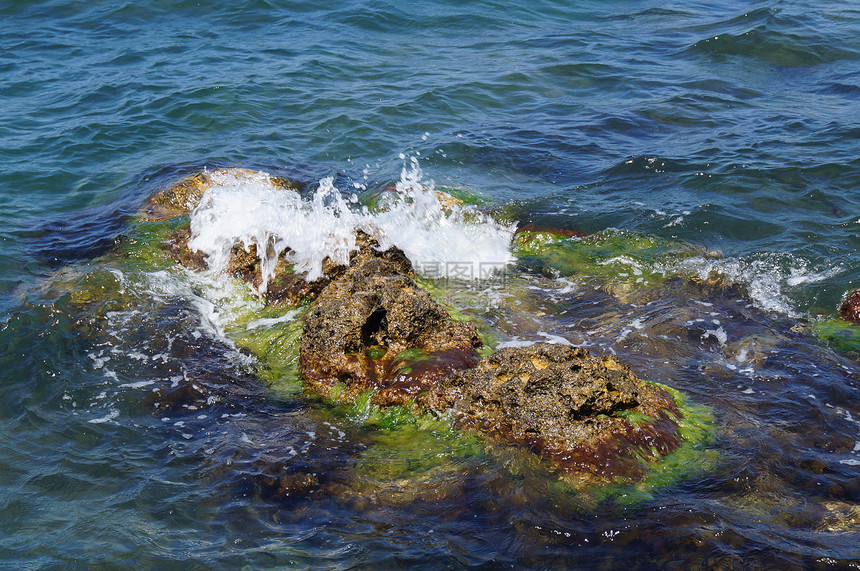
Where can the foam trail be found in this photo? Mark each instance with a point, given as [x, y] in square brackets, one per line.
[766, 277]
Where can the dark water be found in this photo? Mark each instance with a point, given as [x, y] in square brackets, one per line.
[731, 126]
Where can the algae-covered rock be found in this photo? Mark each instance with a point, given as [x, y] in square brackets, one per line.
[373, 328]
[617, 255]
[840, 335]
[582, 413]
[371, 334]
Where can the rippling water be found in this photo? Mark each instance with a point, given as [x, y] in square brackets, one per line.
[730, 127]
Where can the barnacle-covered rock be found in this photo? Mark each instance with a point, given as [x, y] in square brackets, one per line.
[372, 328]
[582, 413]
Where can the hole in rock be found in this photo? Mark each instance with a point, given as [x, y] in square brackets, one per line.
[374, 331]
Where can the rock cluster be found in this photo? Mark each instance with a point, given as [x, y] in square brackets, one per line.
[371, 328]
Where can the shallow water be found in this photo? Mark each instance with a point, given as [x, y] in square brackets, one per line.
[134, 431]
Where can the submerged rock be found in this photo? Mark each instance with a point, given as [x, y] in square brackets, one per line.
[618, 256]
[842, 334]
[373, 329]
[582, 413]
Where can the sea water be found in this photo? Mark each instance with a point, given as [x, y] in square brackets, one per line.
[704, 157]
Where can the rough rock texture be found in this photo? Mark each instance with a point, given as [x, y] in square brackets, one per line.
[177, 247]
[850, 308]
[285, 287]
[181, 198]
[583, 413]
[373, 328]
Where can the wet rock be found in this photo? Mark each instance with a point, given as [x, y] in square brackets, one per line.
[850, 308]
[176, 246]
[286, 287]
[373, 328]
[182, 197]
[585, 414]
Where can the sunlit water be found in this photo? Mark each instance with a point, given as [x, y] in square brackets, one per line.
[136, 431]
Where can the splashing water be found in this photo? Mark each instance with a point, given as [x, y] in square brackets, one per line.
[450, 241]
[247, 208]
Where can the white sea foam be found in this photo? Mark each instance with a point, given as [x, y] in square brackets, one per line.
[515, 343]
[767, 277]
[719, 334]
[441, 241]
[112, 414]
[268, 322]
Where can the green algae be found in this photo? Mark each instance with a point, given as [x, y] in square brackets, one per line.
[414, 450]
[617, 255]
[413, 355]
[376, 352]
[634, 417]
[142, 246]
[273, 336]
[404, 361]
[839, 335]
[405, 442]
[694, 457]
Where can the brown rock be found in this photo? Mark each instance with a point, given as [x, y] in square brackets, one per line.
[585, 414]
[373, 328]
[274, 480]
[285, 287]
[177, 247]
[850, 308]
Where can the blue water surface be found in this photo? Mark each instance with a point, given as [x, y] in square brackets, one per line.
[734, 126]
